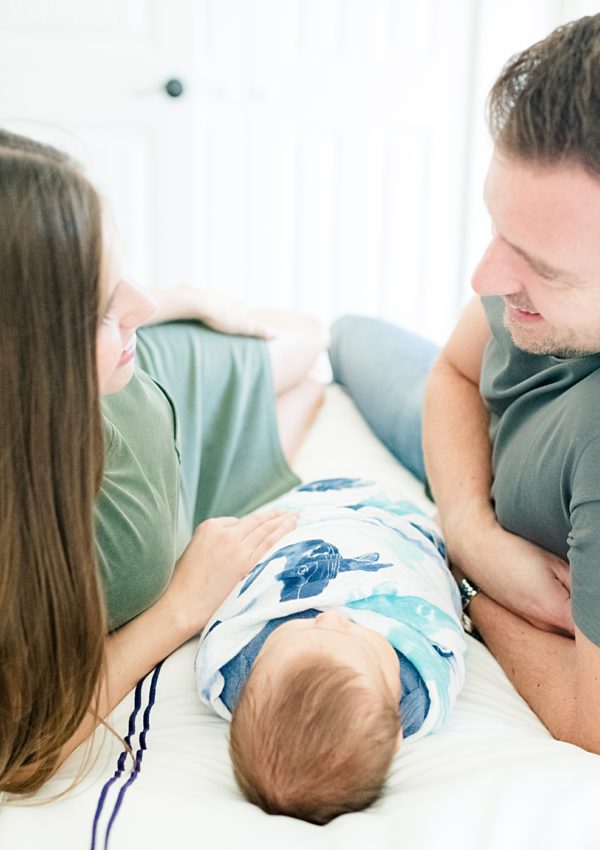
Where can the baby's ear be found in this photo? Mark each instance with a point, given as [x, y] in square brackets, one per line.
[399, 741]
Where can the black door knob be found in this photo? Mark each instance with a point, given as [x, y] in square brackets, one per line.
[174, 88]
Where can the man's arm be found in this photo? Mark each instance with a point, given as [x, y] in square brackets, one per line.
[518, 574]
[456, 445]
[557, 676]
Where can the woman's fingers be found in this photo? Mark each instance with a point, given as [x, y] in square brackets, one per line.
[265, 535]
[249, 524]
[243, 542]
[244, 525]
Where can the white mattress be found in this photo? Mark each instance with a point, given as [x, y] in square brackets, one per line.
[492, 778]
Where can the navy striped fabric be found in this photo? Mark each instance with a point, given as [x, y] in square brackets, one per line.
[120, 774]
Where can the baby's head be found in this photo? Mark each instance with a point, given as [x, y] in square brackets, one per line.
[317, 723]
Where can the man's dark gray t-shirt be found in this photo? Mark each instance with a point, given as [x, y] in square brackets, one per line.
[545, 429]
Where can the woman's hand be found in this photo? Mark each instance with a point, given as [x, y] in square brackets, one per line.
[220, 553]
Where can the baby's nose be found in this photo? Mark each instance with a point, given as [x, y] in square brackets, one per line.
[332, 618]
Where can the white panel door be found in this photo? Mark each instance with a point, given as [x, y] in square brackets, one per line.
[89, 76]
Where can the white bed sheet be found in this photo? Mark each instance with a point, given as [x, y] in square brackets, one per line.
[492, 779]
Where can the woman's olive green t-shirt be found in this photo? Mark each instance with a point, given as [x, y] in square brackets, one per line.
[192, 435]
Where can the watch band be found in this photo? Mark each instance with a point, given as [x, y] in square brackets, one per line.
[468, 591]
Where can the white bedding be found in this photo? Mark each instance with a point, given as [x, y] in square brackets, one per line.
[492, 778]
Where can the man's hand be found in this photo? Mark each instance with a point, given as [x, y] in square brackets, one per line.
[520, 576]
[220, 553]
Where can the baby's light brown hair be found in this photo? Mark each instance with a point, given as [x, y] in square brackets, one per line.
[315, 743]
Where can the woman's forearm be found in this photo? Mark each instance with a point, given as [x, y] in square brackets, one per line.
[176, 302]
[131, 652]
[219, 312]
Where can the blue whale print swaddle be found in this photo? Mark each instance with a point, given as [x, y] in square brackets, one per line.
[378, 561]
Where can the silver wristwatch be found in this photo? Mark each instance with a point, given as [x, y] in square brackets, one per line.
[468, 591]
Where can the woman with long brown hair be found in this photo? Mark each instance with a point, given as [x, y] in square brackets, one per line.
[106, 471]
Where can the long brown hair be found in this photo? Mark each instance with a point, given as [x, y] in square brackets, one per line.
[545, 105]
[52, 620]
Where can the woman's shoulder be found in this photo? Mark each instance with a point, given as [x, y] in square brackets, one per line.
[137, 399]
[142, 413]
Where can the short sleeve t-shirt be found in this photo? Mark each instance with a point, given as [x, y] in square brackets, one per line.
[545, 430]
[139, 534]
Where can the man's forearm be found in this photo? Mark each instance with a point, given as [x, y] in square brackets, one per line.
[541, 665]
[519, 575]
[457, 453]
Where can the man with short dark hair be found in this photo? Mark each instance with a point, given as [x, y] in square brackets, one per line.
[511, 431]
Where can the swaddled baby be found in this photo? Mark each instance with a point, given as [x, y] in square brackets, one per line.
[341, 644]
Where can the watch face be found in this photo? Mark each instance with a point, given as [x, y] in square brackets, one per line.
[467, 592]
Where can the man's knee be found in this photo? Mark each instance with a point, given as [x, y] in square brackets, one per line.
[298, 342]
[349, 336]
[315, 333]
